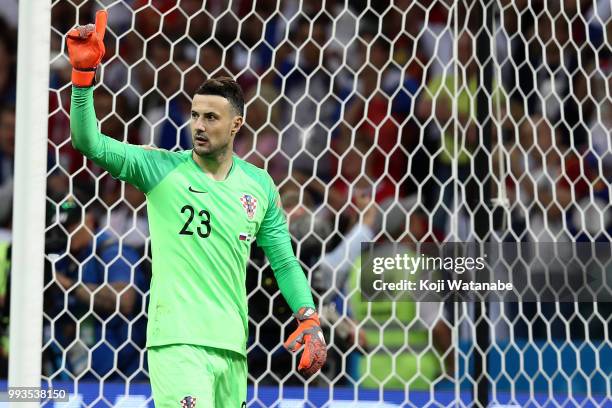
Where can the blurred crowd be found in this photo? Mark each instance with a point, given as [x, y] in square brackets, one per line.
[368, 126]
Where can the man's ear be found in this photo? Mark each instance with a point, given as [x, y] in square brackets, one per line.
[237, 124]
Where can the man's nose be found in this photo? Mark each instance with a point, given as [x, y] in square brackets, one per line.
[199, 125]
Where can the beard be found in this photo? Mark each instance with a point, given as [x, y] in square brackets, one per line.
[204, 147]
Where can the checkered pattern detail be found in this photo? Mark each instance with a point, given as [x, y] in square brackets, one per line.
[249, 203]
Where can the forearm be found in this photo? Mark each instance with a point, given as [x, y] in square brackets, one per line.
[83, 123]
[289, 276]
[102, 150]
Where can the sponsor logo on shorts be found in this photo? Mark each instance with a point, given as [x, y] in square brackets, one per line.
[188, 402]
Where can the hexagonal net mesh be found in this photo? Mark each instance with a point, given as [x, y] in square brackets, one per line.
[393, 120]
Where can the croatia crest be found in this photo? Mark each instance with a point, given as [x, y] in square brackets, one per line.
[188, 402]
[249, 203]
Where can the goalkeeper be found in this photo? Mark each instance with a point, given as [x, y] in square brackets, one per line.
[205, 208]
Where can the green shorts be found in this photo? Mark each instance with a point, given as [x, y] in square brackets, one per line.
[210, 376]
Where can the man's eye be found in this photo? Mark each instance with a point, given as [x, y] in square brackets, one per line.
[194, 115]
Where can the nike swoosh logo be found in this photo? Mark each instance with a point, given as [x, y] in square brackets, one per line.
[197, 191]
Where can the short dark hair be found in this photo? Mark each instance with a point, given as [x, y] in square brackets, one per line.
[227, 88]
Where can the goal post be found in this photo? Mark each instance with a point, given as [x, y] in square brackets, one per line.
[29, 197]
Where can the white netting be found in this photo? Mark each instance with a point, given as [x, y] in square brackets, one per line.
[347, 100]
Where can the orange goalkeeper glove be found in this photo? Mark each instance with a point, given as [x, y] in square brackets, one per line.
[86, 49]
[309, 335]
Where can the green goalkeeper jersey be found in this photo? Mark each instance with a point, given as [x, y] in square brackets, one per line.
[201, 233]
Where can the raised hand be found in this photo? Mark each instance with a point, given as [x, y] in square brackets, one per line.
[86, 49]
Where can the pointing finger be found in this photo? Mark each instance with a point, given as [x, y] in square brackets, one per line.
[101, 17]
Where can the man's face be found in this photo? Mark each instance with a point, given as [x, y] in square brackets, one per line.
[214, 123]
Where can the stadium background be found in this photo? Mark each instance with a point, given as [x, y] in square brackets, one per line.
[345, 100]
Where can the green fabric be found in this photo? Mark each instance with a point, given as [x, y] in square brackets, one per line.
[201, 233]
[443, 87]
[401, 352]
[142, 167]
[216, 378]
[288, 273]
[274, 238]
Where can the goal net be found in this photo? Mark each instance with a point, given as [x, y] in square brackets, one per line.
[391, 121]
